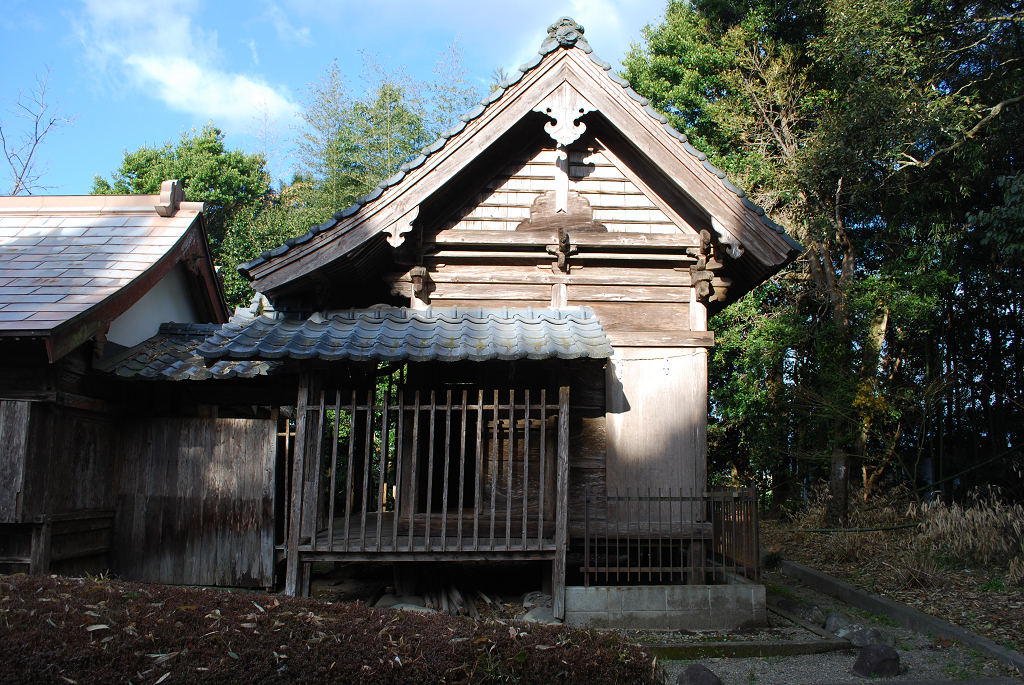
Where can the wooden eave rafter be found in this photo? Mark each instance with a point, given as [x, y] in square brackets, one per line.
[633, 135]
[191, 249]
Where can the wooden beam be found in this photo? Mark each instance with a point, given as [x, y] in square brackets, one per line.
[385, 557]
[661, 338]
[40, 552]
[541, 239]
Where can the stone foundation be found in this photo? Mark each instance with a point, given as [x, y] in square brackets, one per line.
[667, 607]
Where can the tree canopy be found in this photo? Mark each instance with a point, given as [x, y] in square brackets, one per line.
[346, 145]
[877, 132]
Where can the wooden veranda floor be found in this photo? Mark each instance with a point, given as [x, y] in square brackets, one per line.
[505, 540]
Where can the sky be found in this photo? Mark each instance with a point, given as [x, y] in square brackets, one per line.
[140, 72]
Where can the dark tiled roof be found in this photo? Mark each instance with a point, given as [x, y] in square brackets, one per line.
[554, 41]
[171, 356]
[400, 334]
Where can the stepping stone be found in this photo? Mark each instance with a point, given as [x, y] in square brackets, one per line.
[868, 636]
[388, 600]
[413, 607]
[541, 615]
[536, 599]
[835, 621]
[698, 674]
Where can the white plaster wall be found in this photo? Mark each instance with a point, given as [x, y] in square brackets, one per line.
[167, 301]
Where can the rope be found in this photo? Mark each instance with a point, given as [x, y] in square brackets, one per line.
[845, 530]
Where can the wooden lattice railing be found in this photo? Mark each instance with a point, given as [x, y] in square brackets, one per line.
[406, 475]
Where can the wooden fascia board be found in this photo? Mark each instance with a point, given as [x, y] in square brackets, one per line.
[653, 241]
[664, 151]
[460, 151]
[70, 334]
[212, 290]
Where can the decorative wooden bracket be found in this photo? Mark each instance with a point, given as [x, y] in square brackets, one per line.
[700, 276]
[565, 106]
[396, 231]
[562, 250]
[419, 277]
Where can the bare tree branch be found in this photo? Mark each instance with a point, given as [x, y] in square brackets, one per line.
[20, 151]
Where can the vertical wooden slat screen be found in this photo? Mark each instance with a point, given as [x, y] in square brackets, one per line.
[401, 493]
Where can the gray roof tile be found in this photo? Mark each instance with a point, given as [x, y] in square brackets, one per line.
[75, 251]
[400, 334]
[170, 356]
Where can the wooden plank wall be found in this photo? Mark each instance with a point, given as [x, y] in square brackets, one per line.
[656, 420]
[72, 461]
[617, 203]
[198, 502]
[13, 442]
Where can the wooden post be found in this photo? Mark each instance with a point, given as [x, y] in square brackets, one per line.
[561, 506]
[39, 561]
[291, 582]
[311, 493]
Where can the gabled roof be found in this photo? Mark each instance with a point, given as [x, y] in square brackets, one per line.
[400, 334]
[627, 121]
[69, 265]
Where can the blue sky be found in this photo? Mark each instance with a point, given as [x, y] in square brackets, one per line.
[139, 72]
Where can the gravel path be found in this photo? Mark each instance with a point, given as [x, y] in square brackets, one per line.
[921, 657]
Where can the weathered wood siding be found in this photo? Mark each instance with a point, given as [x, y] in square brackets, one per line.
[656, 420]
[14, 418]
[617, 202]
[198, 502]
[72, 462]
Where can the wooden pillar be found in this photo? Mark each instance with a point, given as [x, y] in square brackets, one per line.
[292, 581]
[562, 506]
[312, 494]
[39, 561]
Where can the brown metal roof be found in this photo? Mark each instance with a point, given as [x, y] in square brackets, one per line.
[68, 259]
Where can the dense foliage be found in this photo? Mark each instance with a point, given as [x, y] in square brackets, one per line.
[884, 135]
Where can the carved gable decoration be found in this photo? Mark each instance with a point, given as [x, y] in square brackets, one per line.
[578, 215]
[565, 106]
[601, 160]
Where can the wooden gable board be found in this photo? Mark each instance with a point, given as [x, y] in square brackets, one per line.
[634, 137]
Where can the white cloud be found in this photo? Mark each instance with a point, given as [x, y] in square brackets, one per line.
[285, 31]
[252, 48]
[156, 48]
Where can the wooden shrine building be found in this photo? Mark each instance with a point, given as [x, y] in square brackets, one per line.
[106, 460]
[502, 350]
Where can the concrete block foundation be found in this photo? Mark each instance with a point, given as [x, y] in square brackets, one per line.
[667, 607]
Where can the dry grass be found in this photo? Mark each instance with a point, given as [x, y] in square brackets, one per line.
[962, 564]
[987, 532]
